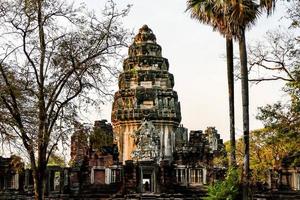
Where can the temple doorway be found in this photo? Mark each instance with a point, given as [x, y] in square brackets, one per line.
[146, 184]
[148, 179]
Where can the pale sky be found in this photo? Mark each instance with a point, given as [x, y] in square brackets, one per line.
[196, 57]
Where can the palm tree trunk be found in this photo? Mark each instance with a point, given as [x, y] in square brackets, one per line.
[229, 52]
[245, 102]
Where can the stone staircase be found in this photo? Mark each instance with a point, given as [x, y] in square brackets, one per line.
[153, 196]
[94, 196]
[278, 195]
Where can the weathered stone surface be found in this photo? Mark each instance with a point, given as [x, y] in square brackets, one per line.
[79, 145]
[145, 92]
[147, 142]
[167, 161]
[102, 135]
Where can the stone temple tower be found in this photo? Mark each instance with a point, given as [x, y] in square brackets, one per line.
[145, 98]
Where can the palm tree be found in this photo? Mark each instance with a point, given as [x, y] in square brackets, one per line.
[267, 5]
[209, 12]
[231, 18]
[244, 14]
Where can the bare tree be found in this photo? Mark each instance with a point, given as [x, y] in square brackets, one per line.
[53, 57]
[275, 59]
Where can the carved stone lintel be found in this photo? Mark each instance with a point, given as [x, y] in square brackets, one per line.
[147, 142]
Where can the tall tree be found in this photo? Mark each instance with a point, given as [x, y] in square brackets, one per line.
[54, 58]
[277, 58]
[280, 136]
[243, 14]
[236, 16]
[211, 13]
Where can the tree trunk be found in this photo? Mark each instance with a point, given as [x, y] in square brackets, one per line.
[40, 176]
[229, 52]
[39, 184]
[245, 102]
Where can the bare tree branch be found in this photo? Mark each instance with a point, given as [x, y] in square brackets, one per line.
[52, 56]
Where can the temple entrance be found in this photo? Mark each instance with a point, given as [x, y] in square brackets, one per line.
[146, 184]
[148, 179]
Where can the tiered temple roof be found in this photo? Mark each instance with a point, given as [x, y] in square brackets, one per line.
[145, 85]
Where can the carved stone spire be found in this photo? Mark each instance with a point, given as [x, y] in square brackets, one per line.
[145, 35]
[145, 92]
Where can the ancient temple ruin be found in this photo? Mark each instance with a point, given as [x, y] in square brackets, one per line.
[145, 93]
[144, 151]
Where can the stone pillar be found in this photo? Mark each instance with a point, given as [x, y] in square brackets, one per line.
[270, 179]
[5, 186]
[74, 178]
[297, 180]
[66, 180]
[167, 153]
[1, 182]
[168, 176]
[61, 180]
[48, 181]
[204, 170]
[16, 177]
[130, 178]
[107, 175]
[26, 181]
[154, 175]
[186, 177]
[92, 175]
[140, 188]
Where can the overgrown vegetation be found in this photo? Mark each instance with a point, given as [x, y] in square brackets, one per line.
[100, 138]
[227, 189]
[277, 58]
[56, 160]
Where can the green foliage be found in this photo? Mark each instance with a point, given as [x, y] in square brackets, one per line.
[227, 189]
[296, 162]
[56, 160]
[282, 123]
[134, 71]
[221, 160]
[280, 136]
[268, 147]
[100, 138]
[276, 58]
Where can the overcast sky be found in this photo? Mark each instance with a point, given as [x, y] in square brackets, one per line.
[196, 57]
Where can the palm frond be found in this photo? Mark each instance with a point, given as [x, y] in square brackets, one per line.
[225, 16]
[268, 5]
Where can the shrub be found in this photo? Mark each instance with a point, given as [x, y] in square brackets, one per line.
[225, 190]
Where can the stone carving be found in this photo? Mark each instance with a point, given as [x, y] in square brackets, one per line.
[147, 142]
[146, 79]
[145, 34]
